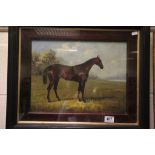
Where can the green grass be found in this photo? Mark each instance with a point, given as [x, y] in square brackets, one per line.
[101, 95]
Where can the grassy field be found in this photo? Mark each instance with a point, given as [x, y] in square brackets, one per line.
[101, 96]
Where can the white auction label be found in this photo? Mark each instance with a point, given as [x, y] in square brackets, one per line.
[109, 119]
[134, 33]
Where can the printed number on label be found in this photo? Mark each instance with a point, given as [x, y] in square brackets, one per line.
[109, 119]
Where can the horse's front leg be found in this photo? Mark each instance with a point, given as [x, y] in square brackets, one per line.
[55, 89]
[79, 90]
[82, 89]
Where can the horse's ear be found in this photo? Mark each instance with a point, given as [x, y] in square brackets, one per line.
[97, 56]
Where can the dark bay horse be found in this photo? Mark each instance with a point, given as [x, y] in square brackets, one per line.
[78, 73]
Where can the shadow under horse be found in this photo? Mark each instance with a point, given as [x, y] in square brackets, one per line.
[78, 73]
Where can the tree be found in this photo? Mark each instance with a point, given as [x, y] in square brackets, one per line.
[36, 63]
[43, 59]
[49, 58]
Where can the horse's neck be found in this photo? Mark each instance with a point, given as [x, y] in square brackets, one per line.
[88, 65]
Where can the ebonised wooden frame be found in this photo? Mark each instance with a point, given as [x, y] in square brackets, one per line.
[153, 59]
[13, 83]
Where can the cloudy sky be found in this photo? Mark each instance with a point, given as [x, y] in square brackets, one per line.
[113, 55]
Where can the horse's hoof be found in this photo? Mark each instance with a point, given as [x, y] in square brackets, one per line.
[79, 100]
[49, 101]
[84, 100]
[59, 99]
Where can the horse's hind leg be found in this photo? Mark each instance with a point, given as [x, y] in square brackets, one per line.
[55, 89]
[49, 89]
[50, 77]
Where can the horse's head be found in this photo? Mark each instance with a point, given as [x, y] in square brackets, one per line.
[98, 62]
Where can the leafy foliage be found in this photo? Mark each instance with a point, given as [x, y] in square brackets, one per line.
[41, 60]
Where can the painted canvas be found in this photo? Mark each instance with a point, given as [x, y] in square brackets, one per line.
[78, 77]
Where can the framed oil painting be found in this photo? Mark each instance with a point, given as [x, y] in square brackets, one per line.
[78, 77]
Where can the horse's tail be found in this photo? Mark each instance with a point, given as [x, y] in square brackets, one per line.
[45, 76]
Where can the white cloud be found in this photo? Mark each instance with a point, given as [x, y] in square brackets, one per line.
[66, 50]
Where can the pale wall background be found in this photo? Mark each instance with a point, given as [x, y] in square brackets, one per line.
[3, 74]
[3, 79]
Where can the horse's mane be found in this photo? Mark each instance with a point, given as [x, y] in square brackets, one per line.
[86, 62]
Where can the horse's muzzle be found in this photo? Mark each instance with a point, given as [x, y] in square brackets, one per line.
[101, 67]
